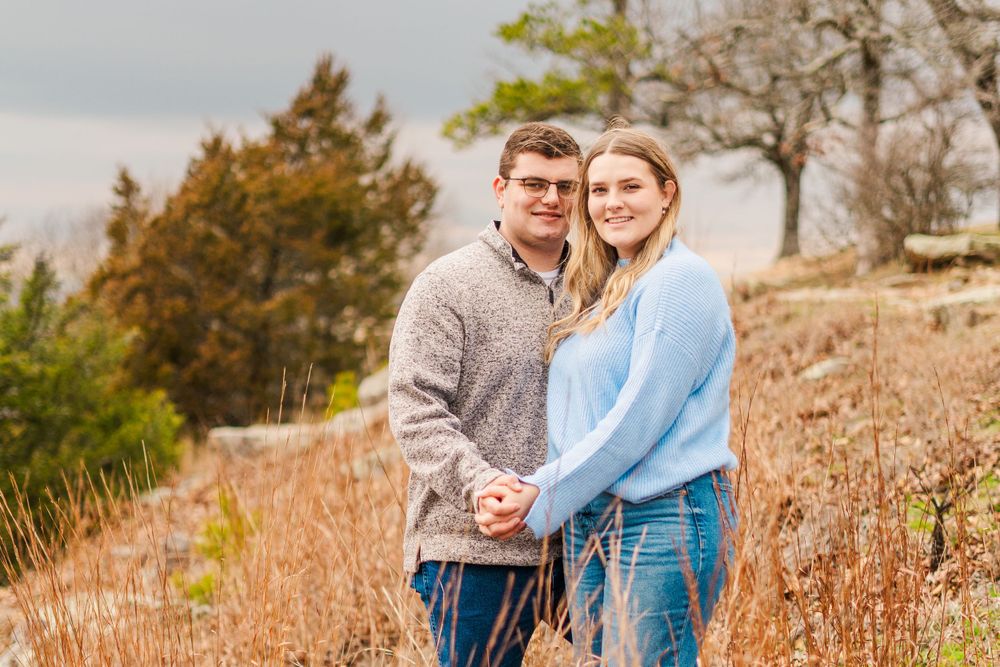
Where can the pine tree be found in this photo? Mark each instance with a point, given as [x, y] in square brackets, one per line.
[273, 256]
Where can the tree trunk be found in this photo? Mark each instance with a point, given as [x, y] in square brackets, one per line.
[619, 103]
[988, 94]
[792, 175]
[871, 242]
[996, 136]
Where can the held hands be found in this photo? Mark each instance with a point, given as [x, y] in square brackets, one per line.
[502, 506]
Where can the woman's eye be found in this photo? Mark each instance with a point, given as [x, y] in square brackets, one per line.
[632, 186]
[597, 190]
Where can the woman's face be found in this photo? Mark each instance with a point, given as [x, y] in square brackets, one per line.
[625, 201]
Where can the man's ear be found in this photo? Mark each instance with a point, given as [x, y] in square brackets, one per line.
[499, 187]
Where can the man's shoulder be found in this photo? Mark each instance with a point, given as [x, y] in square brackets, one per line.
[468, 263]
[466, 257]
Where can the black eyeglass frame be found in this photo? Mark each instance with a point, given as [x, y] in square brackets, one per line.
[572, 184]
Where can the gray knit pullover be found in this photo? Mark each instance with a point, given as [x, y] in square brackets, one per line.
[467, 396]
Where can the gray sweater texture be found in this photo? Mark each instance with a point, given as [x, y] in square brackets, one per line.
[467, 389]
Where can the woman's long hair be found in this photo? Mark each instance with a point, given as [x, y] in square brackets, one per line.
[594, 281]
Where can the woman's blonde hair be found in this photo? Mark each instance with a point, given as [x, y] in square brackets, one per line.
[594, 281]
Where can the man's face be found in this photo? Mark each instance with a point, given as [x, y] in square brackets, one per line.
[535, 221]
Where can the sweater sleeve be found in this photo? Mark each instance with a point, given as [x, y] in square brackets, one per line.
[425, 364]
[676, 325]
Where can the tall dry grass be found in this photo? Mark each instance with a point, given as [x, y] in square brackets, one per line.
[868, 526]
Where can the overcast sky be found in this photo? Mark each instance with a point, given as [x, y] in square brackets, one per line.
[85, 87]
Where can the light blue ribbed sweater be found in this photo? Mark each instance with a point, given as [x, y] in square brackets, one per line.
[640, 405]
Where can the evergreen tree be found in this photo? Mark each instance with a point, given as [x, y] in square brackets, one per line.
[66, 407]
[279, 253]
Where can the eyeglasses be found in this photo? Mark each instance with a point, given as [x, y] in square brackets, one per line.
[538, 187]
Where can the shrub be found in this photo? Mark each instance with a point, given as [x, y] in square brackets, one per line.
[65, 408]
[342, 394]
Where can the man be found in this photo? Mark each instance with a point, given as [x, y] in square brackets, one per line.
[467, 401]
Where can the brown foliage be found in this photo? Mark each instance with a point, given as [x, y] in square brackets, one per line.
[835, 554]
[279, 253]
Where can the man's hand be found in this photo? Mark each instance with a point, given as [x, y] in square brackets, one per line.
[502, 506]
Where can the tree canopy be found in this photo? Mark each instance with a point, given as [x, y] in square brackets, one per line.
[273, 256]
[774, 80]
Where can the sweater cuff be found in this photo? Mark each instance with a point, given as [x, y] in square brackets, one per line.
[539, 517]
[480, 482]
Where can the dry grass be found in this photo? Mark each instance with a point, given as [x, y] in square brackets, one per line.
[868, 503]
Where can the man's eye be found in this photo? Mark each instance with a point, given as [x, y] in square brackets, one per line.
[536, 184]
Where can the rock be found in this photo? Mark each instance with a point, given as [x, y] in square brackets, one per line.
[903, 280]
[831, 366]
[128, 552]
[362, 467]
[982, 294]
[72, 613]
[247, 440]
[260, 437]
[939, 317]
[374, 389]
[177, 543]
[297, 658]
[18, 654]
[158, 496]
[176, 548]
[923, 250]
[199, 611]
[357, 420]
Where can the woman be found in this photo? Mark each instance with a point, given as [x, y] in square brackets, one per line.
[638, 419]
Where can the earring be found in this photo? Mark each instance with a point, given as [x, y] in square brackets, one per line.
[663, 211]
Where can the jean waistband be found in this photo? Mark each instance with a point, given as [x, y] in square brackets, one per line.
[605, 499]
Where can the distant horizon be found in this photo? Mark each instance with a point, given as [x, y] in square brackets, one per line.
[87, 89]
[90, 88]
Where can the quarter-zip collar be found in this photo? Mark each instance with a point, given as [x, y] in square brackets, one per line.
[492, 237]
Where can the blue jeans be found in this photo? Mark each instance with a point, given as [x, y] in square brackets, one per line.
[485, 614]
[643, 578]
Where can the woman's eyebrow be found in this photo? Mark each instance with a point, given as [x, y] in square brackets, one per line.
[620, 180]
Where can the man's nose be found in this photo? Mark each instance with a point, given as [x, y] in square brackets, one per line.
[551, 195]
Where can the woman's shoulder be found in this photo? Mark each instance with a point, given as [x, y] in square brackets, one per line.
[684, 293]
[680, 264]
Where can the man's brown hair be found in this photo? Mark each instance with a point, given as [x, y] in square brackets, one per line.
[542, 138]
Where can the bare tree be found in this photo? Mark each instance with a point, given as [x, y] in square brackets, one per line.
[754, 77]
[972, 33]
[925, 180]
[746, 77]
[887, 75]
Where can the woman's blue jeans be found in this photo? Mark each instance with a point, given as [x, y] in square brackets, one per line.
[642, 579]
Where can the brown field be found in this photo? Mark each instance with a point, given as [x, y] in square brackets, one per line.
[869, 502]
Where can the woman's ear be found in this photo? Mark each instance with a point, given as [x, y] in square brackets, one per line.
[669, 190]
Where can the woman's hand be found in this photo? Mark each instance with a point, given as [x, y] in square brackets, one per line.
[502, 506]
